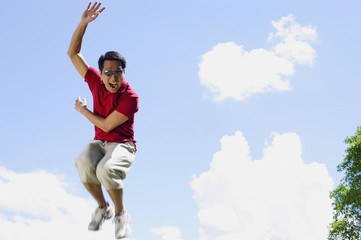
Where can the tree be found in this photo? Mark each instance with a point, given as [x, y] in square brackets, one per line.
[346, 223]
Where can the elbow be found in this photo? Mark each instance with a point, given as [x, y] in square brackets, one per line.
[70, 54]
[107, 129]
[104, 129]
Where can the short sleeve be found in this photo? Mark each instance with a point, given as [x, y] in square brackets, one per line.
[92, 77]
[128, 106]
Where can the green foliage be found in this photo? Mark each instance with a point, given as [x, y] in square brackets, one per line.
[347, 196]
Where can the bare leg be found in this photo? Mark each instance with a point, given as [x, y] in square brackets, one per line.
[117, 197]
[96, 191]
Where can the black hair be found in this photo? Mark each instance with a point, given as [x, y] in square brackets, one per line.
[112, 56]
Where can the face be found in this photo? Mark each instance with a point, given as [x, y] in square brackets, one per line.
[114, 81]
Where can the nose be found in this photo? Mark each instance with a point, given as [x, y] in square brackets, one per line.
[114, 76]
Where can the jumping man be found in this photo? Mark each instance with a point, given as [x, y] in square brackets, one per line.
[107, 158]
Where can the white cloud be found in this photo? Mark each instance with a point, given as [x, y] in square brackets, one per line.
[38, 206]
[167, 232]
[231, 72]
[276, 197]
[294, 40]
[288, 28]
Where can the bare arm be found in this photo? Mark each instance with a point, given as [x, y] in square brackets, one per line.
[107, 124]
[90, 14]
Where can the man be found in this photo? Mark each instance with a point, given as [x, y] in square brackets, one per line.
[107, 159]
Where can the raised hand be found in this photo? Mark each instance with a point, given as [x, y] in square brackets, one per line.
[92, 12]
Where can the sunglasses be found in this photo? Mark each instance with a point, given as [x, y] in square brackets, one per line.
[110, 73]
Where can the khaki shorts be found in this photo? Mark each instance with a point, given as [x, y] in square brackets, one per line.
[105, 163]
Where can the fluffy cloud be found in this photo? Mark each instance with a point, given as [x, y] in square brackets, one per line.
[276, 197]
[294, 40]
[231, 72]
[167, 232]
[38, 206]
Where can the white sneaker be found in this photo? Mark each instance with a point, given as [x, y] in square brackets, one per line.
[122, 225]
[99, 216]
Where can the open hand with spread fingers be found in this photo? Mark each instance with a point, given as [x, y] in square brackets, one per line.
[92, 12]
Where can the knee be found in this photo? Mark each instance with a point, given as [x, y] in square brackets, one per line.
[103, 171]
[84, 164]
[81, 162]
[110, 177]
[89, 157]
[108, 172]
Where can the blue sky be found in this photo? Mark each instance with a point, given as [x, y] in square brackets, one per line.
[193, 145]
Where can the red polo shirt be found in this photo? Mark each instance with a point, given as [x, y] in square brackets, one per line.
[124, 101]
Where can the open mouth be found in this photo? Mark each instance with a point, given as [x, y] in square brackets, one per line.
[113, 85]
